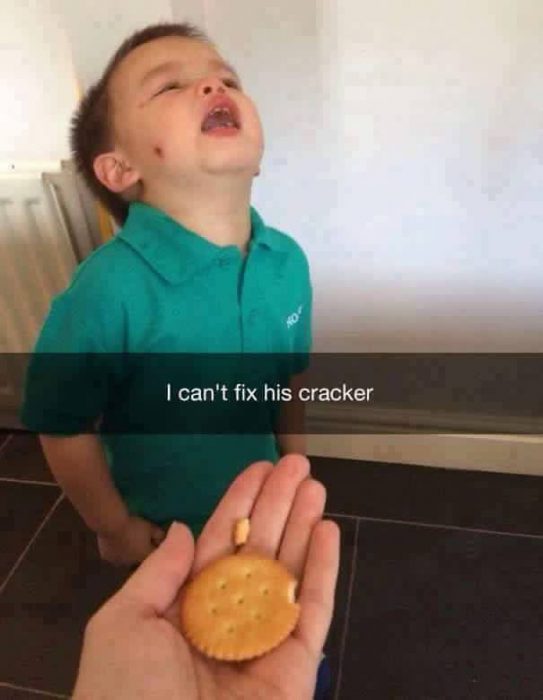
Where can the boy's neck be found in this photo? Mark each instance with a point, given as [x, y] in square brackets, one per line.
[221, 216]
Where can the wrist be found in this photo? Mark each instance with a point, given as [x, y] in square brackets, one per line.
[113, 524]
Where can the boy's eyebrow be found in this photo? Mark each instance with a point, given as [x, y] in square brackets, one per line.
[167, 65]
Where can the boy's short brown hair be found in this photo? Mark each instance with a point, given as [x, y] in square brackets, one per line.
[90, 129]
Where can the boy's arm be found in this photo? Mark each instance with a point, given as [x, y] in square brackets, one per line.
[68, 382]
[291, 429]
[79, 465]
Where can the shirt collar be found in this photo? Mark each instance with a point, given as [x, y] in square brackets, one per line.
[173, 250]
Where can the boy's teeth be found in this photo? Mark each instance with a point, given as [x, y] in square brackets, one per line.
[218, 117]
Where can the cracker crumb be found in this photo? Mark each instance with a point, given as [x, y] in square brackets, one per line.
[241, 532]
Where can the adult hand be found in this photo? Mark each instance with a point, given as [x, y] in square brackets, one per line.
[131, 543]
[133, 646]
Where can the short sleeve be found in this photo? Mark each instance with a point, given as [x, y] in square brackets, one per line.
[69, 375]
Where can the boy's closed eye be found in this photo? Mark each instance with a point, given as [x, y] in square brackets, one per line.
[177, 85]
[230, 82]
[172, 85]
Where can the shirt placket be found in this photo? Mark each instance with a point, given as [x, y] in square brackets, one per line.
[250, 303]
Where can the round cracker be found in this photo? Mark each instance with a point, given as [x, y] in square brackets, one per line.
[239, 607]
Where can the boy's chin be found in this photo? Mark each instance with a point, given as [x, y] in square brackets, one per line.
[245, 159]
[242, 169]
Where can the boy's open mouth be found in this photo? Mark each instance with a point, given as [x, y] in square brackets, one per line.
[222, 114]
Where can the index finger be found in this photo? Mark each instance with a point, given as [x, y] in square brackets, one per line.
[216, 539]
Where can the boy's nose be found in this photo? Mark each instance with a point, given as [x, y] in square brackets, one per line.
[211, 85]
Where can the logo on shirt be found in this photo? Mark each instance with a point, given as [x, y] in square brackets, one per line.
[294, 317]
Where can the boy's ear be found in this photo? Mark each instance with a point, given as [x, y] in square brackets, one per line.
[114, 173]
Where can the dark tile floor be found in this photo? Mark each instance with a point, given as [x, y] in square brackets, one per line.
[439, 593]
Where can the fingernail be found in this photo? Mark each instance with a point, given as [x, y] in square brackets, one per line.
[174, 524]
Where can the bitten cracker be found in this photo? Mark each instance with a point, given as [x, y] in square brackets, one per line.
[239, 607]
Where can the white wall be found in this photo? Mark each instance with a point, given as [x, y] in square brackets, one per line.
[38, 82]
[97, 27]
[440, 203]
[405, 152]
[50, 50]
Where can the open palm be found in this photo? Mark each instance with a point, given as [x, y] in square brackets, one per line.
[133, 645]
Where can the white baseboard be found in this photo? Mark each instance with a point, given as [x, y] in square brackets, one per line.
[515, 454]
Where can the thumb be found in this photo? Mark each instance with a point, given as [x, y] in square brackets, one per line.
[157, 580]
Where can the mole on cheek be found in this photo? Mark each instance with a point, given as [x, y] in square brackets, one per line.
[158, 151]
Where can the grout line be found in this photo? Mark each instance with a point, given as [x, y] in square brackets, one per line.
[12, 480]
[25, 550]
[6, 442]
[45, 693]
[437, 526]
[347, 612]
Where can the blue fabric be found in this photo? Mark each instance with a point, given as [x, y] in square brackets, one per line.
[324, 680]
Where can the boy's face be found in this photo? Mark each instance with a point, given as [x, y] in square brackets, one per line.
[159, 113]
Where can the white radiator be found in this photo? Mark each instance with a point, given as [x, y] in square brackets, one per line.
[48, 224]
[46, 227]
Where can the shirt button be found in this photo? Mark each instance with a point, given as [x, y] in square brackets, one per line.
[224, 262]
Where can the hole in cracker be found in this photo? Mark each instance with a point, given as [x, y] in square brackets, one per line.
[230, 629]
[248, 574]
[257, 616]
[265, 591]
[222, 585]
[213, 610]
[240, 600]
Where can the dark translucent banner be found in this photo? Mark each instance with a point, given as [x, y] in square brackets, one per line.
[255, 393]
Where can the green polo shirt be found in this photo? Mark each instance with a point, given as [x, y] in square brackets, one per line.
[158, 287]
